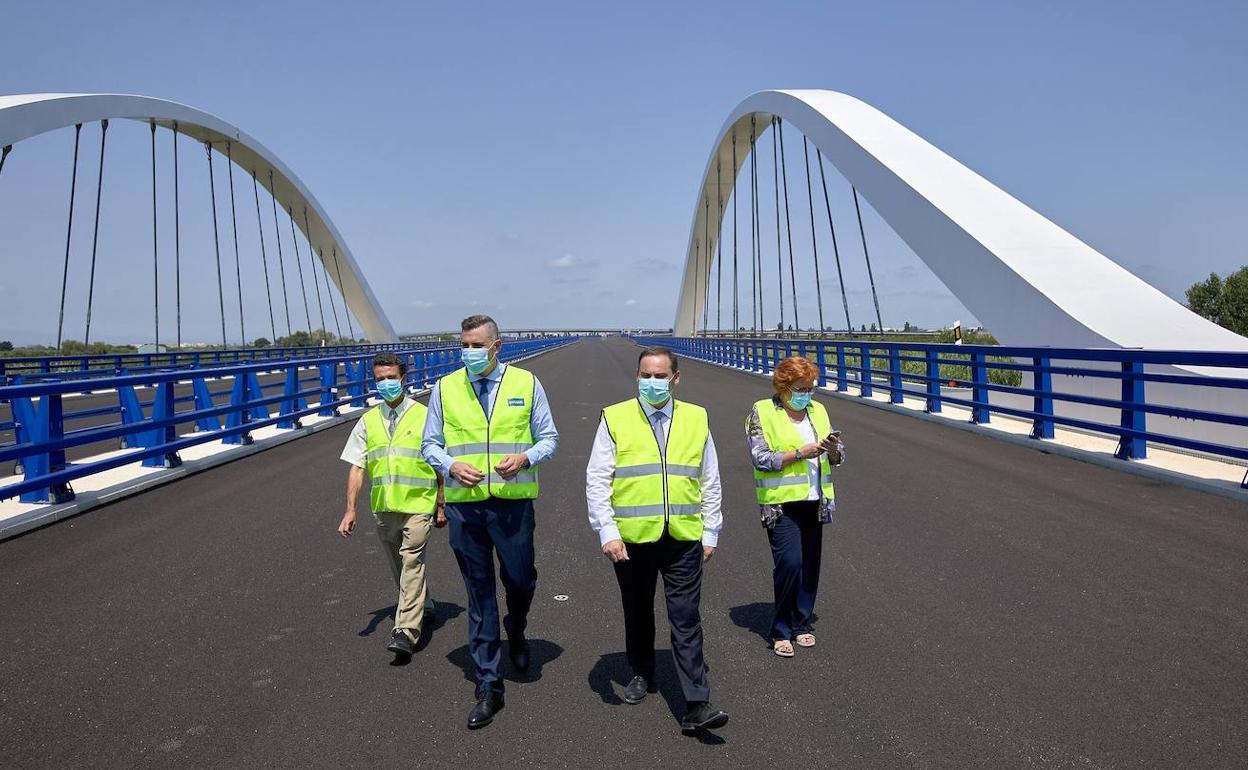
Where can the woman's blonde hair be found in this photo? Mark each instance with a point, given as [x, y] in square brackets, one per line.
[792, 370]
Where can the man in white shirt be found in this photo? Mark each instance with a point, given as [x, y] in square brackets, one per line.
[652, 487]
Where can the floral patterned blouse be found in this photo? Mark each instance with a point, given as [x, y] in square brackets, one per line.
[765, 459]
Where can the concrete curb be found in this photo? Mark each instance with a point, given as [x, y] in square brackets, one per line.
[1045, 446]
[86, 501]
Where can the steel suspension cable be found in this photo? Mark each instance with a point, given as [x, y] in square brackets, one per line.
[95, 238]
[216, 241]
[814, 243]
[69, 231]
[706, 234]
[719, 249]
[264, 259]
[836, 252]
[758, 246]
[337, 326]
[281, 263]
[177, 238]
[238, 270]
[345, 309]
[788, 227]
[755, 251]
[316, 281]
[736, 293]
[299, 264]
[155, 247]
[861, 231]
[775, 169]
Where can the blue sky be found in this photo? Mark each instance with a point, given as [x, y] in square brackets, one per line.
[539, 161]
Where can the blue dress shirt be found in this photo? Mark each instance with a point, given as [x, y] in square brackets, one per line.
[541, 423]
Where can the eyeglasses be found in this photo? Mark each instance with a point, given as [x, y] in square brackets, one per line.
[803, 391]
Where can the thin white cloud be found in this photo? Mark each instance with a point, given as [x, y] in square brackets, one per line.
[630, 302]
[423, 304]
[562, 263]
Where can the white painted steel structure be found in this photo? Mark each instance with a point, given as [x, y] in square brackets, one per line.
[1028, 280]
[26, 115]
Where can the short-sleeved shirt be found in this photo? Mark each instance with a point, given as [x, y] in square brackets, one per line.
[356, 450]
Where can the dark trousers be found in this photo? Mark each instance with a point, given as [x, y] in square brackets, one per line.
[796, 547]
[680, 564]
[478, 530]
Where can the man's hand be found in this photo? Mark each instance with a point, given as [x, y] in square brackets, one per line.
[809, 451]
[615, 551]
[510, 465]
[466, 474]
[439, 516]
[347, 526]
[707, 552]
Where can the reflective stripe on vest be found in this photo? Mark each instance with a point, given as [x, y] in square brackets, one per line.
[402, 482]
[649, 490]
[482, 443]
[791, 483]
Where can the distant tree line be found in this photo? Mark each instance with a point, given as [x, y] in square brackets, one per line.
[1222, 300]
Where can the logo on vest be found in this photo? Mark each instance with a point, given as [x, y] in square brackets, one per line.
[515, 402]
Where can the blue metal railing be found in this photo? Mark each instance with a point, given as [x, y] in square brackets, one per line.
[304, 386]
[923, 370]
[32, 369]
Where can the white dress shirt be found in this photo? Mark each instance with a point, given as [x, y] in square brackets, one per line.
[356, 450]
[601, 470]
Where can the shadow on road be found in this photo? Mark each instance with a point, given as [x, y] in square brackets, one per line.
[541, 652]
[613, 669]
[754, 617]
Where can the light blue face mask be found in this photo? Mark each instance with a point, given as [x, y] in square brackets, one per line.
[476, 360]
[800, 401]
[389, 389]
[653, 391]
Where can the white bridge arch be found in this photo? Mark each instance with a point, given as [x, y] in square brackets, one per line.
[26, 115]
[1028, 280]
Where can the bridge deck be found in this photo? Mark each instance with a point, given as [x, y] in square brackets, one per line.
[981, 603]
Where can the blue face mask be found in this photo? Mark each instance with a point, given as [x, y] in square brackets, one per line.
[476, 360]
[389, 390]
[653, 391]
[800, 401]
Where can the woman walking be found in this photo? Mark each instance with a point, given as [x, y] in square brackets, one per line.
[793, 449]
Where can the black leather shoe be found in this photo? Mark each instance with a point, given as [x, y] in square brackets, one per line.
[400, 644]
[518, 651]
[636, 690]
[702, 716]
[483, 713]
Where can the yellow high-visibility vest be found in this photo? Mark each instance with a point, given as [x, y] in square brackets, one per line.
[402, 482]
[651, 489]
[791, 483]
[481, 442]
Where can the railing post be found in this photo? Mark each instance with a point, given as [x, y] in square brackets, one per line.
[329, 381]
[238, 416]
[842, 376]
[979, 393]
[292, 403]
[1132, 447]
[933, 381]
[43, 425]
[864, 373]
[163, 409]
[821, 360]
[895, 393]
[1042, 404]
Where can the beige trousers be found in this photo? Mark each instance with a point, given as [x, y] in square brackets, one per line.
[403, 538]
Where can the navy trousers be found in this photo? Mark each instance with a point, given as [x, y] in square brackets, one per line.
[680, 564]
[796, 548]
[478, 531]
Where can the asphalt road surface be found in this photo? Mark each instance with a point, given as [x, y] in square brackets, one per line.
[982, 604]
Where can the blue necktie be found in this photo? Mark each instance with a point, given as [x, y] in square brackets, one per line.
[483, 396]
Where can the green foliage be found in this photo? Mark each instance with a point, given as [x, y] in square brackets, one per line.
[1222, 300]
[261, 342]
[5, 346]
[301, 339]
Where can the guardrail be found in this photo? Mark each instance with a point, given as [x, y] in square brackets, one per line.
[306, 386]
[973, 372]
[32, 369]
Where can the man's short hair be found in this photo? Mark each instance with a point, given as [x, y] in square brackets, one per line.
[660, 351]
[474, 321]
[390, 359]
